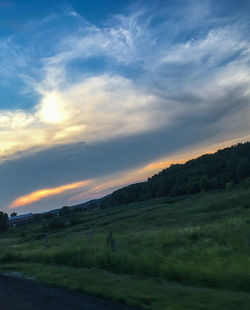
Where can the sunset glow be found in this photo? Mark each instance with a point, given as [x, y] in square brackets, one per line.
[43, 193]
[115, 93]
[125, 152]
[52, 109]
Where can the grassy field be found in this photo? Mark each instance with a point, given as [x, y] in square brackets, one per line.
[185, 253]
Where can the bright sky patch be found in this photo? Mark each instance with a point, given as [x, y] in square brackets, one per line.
[115, 92]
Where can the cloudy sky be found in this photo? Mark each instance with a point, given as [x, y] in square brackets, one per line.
[98, 94]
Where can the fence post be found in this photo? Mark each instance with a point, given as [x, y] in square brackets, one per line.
[111, 241]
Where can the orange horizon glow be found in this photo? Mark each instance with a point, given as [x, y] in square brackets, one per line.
[143, 173]
[102, 187]
[163, 164]
[154, 167]
[46, 192]
[99, 189]
[188, 155]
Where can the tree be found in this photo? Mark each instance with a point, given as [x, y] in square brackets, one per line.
[224, 169]
[56, 223]
[37, 217]
[64, 210]
[204, 182]
[228, 186]
[13, 214]
[193, 186]
[243, 169]
[3, 221]
[49, 215]
[212, 184]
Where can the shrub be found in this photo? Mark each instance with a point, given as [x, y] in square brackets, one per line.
[3, 221]
[49, 215]
[65, 210]
[228, 186]
[56, 223]
[74, 221]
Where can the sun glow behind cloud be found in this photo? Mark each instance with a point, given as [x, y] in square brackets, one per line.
[47, 192]
[52, 109]
[98, 84]
[98, 187]
[95, 109]
[106, 105]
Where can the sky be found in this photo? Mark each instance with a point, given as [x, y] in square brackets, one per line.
[95, 95]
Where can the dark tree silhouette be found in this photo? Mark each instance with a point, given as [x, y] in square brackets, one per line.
[224, 169]
[3, 221]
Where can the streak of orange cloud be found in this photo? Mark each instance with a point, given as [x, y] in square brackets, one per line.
[162, 165]
[103, 186]
[46, 192]
[93, 192]
[137, 175]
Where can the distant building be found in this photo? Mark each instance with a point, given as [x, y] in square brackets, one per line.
[20, 219]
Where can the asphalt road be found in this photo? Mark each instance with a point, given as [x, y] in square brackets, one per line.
[22, 294]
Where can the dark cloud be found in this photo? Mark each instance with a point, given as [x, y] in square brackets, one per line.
[192, 61]
[70, 163]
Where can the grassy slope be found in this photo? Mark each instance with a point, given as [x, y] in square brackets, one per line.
[190, 254]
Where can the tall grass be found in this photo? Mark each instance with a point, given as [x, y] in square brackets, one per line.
[198, 241]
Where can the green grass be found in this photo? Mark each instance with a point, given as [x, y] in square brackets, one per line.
[149, 293]
[189, 253]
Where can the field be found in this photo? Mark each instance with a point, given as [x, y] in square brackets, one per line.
[191, 252]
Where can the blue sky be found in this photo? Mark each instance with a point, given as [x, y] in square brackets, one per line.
[95, 95]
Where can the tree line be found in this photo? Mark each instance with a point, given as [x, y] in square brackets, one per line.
[224, 169]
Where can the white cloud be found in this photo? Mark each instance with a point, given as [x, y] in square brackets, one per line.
[217, 45]
[182, 69]
[95, 109]
[100, 106]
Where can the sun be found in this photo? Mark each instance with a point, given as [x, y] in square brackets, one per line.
[52, 109]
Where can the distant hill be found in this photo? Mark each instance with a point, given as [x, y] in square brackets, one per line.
[224, 169]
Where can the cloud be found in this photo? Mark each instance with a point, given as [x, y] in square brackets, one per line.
[96, 109]
[136, 89]
[103, 186]
[218, 46]
[46, 192]
[106, 106]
